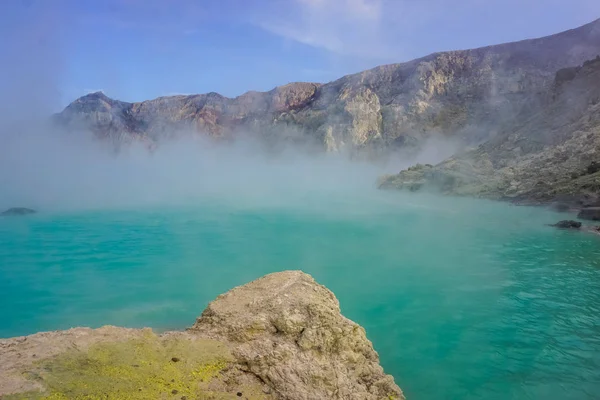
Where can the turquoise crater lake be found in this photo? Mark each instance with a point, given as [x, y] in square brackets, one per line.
[463, 299]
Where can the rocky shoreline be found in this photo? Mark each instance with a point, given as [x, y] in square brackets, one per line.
[577, 226]
[550, 157]
[421, 178]
[279, 337]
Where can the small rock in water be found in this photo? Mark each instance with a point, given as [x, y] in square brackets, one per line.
[591, 213]
[568, 224]
[17, 211]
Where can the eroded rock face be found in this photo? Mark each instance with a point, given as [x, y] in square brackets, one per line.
[567, 224]
[279, 337]
[288, 330]
[550, 156]
[591, 213]
[468, 96]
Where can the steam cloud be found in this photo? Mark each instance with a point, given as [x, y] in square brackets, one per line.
[47, 169]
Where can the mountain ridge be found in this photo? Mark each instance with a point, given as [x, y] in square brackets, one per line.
[463, 95]
[551, 156]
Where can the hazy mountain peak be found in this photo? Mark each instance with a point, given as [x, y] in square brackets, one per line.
[466, 96]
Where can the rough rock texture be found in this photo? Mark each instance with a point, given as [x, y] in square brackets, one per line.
[568, 224]
[119, 363]
[576, 226]
[467, 95]
[591, 213]
[288, 330]
[551, 155]
[279, 337]
[19, 354]
[17, 211]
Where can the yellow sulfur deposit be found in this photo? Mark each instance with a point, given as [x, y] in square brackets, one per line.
[146, 368]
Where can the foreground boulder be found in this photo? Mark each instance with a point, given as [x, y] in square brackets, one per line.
[288, 330]
[279, 337]
[17, 211]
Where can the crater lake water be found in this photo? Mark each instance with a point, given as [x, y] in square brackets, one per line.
[462, 298]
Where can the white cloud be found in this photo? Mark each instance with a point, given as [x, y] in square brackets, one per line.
[346, 27]
[179, 94]
[380, 30]
[396, 30]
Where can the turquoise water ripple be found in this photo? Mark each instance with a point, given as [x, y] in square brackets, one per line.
[463, 299]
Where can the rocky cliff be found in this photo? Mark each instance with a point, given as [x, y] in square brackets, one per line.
[550, 154]
[279, 337]
[467, 95]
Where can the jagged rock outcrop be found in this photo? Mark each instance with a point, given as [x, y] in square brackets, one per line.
[576, 226]
[550, 155]
[567, 224]
[279, 337]
[467, 95]
[165, 117]
[288, 330]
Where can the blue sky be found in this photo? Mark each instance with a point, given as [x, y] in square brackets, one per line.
[141, 49]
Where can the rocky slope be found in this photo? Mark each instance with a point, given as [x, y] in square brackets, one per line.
[466, 95]
[279, 337]
[551, 154]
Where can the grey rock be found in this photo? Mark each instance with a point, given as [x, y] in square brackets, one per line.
[468, 96]
[590, 213]
[593, 167]
[568, 224]
[288, 330]
[17, 211]
[548, 156]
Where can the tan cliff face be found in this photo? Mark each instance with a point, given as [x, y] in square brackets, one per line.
[467, 95]
[549, 155]
[279, 337]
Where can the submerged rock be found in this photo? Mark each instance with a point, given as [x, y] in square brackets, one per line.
[279, 337]
[567, 224]
[17, 211]
[591, 213]
[576, 225]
